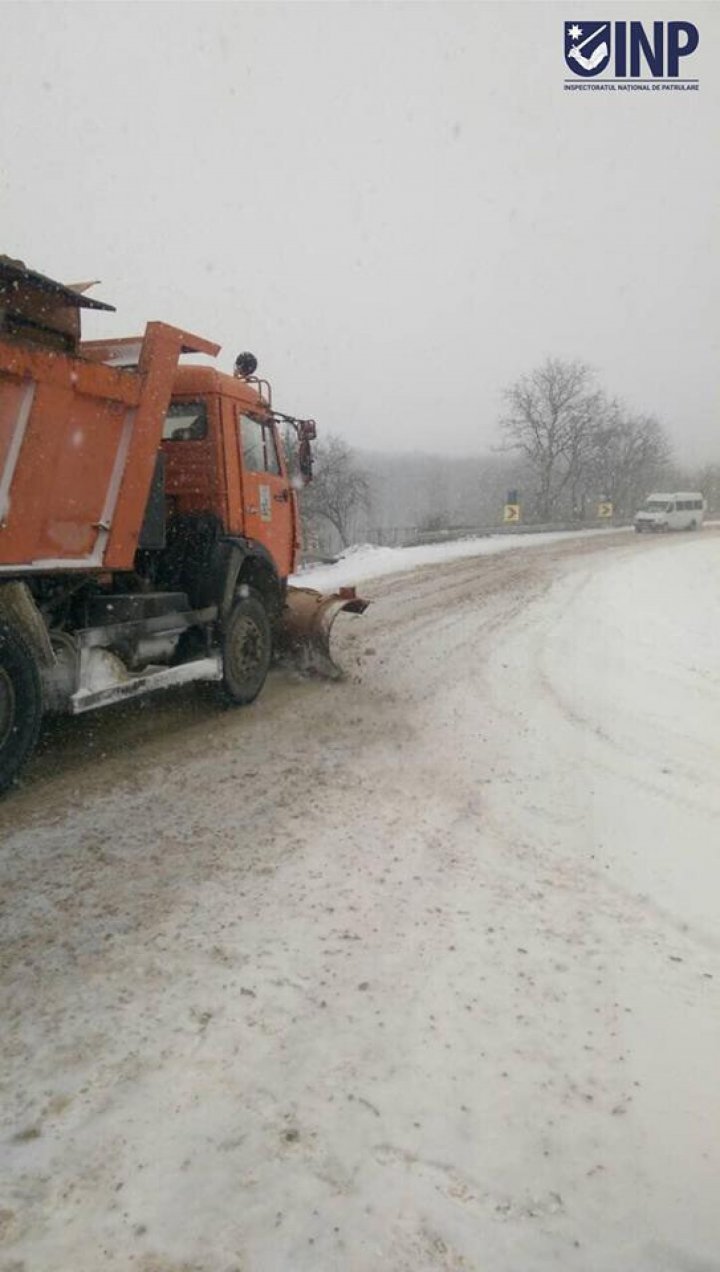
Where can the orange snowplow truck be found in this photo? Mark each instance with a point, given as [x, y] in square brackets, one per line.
[148, 520]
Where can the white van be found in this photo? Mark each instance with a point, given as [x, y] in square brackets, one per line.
[682, 511]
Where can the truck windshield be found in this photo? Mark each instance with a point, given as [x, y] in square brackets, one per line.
[185, 422]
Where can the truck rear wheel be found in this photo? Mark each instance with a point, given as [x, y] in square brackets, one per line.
[246, 650]
[21, 704]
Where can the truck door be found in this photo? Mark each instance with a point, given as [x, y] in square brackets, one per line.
[267, 502]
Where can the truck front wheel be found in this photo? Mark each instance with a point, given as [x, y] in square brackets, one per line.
[246, 650]
[21, 704]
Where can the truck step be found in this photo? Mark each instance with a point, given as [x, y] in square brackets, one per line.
[133, 685]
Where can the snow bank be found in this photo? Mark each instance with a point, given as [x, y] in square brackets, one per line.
[365, 561]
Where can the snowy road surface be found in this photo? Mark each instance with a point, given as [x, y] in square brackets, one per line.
[418, 971]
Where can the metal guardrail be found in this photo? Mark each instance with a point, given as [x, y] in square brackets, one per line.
[412, 538]
[481, 532]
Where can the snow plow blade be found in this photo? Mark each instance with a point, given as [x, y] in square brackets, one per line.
[307, 618]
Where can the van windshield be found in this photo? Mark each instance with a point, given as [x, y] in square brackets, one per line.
[657, 505]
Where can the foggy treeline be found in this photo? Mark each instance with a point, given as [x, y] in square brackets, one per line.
[412, 495]
[400, 497]
[563, 447]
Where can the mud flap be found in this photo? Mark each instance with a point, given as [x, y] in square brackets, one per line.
[304, 632]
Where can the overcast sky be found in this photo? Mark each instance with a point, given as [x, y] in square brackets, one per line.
[395, 206]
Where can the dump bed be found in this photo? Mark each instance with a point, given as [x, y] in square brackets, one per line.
[78, 444]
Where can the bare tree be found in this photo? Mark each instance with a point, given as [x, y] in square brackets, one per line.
[706, 478]
[339, 490]
[549, 418]
[629, 455]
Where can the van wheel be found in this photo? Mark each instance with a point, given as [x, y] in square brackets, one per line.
[246, 650]
[21, 704]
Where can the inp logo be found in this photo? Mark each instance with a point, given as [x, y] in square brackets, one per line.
[651, 51]
[587, 47]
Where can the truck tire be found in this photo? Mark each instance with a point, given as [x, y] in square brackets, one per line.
[21, 703]
[246, 650]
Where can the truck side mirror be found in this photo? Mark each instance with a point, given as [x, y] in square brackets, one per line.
[305, 460]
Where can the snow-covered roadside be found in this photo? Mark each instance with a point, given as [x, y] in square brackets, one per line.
[606, 704]
[626, 661]
[365, 561]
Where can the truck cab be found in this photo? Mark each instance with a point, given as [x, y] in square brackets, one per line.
[223, 457]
